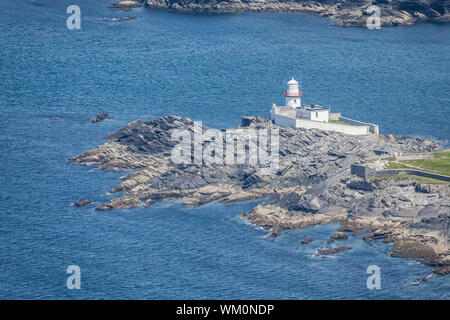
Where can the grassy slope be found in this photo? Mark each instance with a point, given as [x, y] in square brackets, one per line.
[440, 163]
[407, 176]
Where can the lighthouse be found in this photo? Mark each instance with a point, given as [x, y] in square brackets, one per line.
[293, 94]
[313, 116]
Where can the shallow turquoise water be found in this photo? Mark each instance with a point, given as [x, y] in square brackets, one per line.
[222, 68]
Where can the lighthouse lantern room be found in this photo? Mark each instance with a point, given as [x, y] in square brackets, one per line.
[293, 94]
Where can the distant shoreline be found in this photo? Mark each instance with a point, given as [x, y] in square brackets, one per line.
[347, 13]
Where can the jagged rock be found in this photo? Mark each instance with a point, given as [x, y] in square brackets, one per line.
[252, 121]
[126, 202]
[413, 249]
[350, 226]
[313, 185]
[361, 185]
[82, 203]
[442, 271]
[368, 238]
[441, 261]
[301, 202]
[307, 240]
[433, 188]
[356, 233]
[339, 236]
[125, 5]
[390, 137]
[331, 250]
[100, 117]
[275, 232]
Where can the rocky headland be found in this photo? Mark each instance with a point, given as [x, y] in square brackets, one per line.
[345, 12]
[312, 186]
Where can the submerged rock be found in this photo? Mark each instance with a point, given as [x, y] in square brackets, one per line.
[327, 251]
[126, 202]
[307, 240]
[100, 117]
[339, 236]
[82, 203]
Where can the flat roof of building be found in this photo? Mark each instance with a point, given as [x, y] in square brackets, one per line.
[315, 107]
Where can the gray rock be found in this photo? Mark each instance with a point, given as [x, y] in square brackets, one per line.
[348, 13]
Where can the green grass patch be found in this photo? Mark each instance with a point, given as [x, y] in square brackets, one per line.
[442, 155]
[396, 165]
[440, 163]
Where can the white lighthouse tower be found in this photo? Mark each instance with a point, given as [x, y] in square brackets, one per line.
[293, 94]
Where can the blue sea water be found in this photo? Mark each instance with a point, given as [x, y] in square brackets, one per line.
[214, 68]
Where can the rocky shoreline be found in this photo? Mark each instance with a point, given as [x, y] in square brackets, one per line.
[347, 13]
[313, 185]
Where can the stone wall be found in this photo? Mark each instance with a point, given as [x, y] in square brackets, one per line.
[366, 173]
[394, 172]
[360, 171]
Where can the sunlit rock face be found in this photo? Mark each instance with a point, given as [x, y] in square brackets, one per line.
[312, 185]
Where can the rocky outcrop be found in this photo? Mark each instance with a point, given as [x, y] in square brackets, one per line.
[307, 240]
[347, 12]
[442, 271]
[82, 203]
[326, 251]
[126, 5]
[100, 117]
[412, 248]
[312, 185]
[339, 236]
[126, 202]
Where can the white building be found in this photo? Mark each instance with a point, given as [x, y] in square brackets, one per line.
[294, 114]
[294, 108]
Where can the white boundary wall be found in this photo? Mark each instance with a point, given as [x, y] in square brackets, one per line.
[309, 124]
[286, 116]
[284, 121]
[347, 129]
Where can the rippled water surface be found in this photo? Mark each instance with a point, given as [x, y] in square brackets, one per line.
[214, 68]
